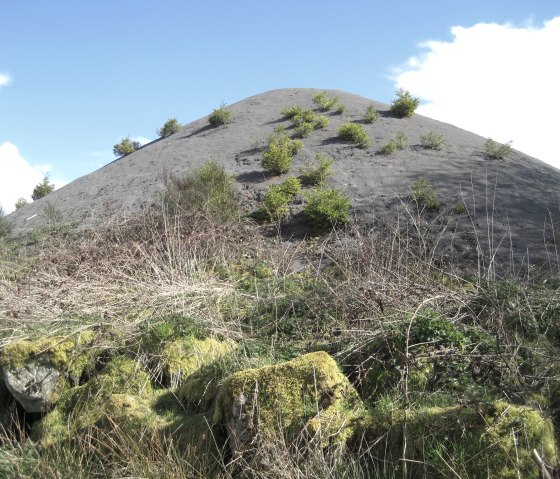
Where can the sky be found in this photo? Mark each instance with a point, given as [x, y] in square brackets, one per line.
[76, 76]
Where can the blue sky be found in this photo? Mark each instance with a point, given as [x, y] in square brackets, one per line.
[76, 76]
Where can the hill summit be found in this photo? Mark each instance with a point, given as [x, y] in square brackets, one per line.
[507, 206]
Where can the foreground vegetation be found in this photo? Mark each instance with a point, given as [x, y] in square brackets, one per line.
[189, 345]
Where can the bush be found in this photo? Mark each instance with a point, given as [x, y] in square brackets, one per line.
[169, 128]
[303, 130]
[398, 143]
[316, 175]
[371, 115]
[20, 203]
[340, 109]
[209, 190]
[281, 149]
[404, 104]
[321, 121]
[495, 150]
[126, 147]
[327, 209]
[275, 202]
[389, 148]
[424, 193]
[5, 226]
[291, 111]
[220, 116]
[324, 102]
[432, 141]
[354, 133]
[42, 189]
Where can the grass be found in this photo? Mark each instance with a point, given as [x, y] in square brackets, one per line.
[416, 340]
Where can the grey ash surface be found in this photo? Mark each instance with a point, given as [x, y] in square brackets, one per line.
[513, 204]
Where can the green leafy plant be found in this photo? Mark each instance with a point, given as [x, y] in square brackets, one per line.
[400, 142]
[354, 133]
[20, 203]
[291, 111]
[424, 193]
[327, 208]
[209, 190]
[340, 109]
[281, 150]
[169, 128]
[274, 205]
[5, 226]
[432, 141]
[405, 104]
[125, 147]
[42, 189]
[316, 174]
[303, 130]
[324, 102]
[321, 121]
[495, 150]
[371, 115]
[220, 116]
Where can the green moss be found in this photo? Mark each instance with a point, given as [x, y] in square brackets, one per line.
[283, 399]
[485, 440]
[183, 356]
[72, 355]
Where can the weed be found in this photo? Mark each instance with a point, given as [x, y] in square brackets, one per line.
[327, 209]
[424, 193]
[208, 190]
[324, 102]
[405, 104]
[432, 141]
[354, 133]
[495, 150]
[317, 174]
[371, 115]
[220, 116]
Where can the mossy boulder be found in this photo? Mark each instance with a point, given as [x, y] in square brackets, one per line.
[37, 372]
[308, 393]
[482, 440]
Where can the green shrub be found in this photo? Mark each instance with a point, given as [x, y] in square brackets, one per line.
[495, 150]
[305, 116]
[209, 190]
[169, 128]
[42, 189]
[274, 205]
[340, 109]
[321, 121]
[20, 203]
[5, 226]
[281, 150]
[125, 147]
[303, 130]
[371, 115]
[405, 104]
[327, 209]
[324, 102]
[432, 141]
[291, 111]
[397, 143]
[354, 133]
[317, 174]
[424, 193]
[389, 148]
[220, 116]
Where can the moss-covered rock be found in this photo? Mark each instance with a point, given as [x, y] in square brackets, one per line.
[37, 372]
[183, 356]
[307, 393]
[482, 440]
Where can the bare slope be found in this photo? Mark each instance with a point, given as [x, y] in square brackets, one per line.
[514, 201]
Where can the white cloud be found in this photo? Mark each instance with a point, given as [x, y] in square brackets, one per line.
[19, 177]
[5, 79]
[499, 81]
[142, 140]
